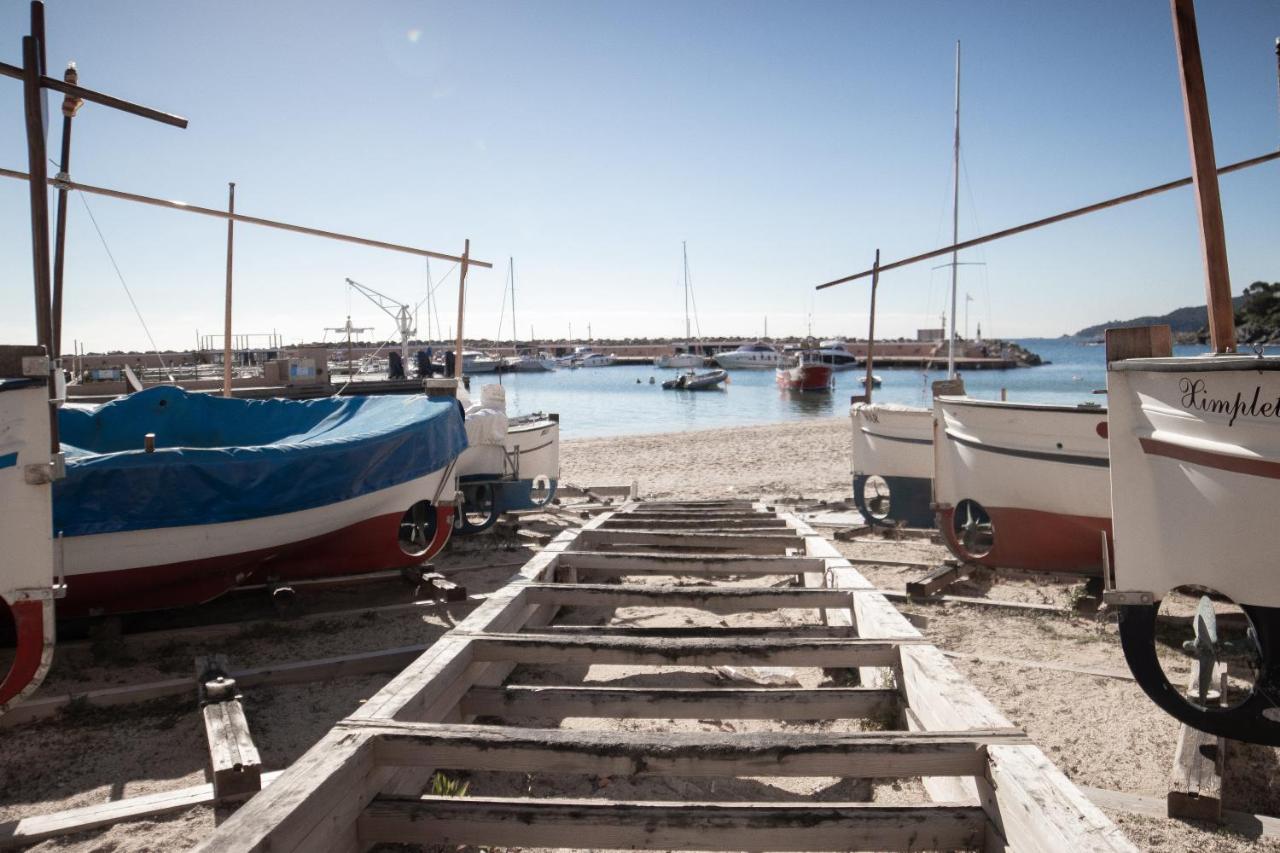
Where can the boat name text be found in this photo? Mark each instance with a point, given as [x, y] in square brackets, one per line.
[1196, 399]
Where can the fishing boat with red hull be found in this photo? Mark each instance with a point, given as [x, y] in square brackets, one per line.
[1022, 485]
[173, 498]
[804, 371]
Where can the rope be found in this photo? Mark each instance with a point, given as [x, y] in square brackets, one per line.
[125, 285]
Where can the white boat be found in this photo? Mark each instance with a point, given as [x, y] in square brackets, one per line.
[749, 356]
[692, 381]
[529, 363]
[510, 463]
[595, 359]
[836, 354]
[1022, 485]
[684, 355]
[474, 361]
[893, 463]
[876, 381]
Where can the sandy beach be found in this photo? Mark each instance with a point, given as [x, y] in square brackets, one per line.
[1101, 731]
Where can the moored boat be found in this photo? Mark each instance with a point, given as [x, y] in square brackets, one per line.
[1022, 485]
[749, 356]
[242, 492]
[803, 371]
[692, 381]
[474, 361]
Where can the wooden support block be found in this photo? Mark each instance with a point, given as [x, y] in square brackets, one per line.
[557, 823]
[441, 588]
[678, 564]
[712, 632]
[685, 651]
[1139, 342]
[234, 764]
[1195, 783]
[939, 578]
[739, 543]
[713, 599]
[887, 755]
[682, 703]
[848, 534]
[763, 522]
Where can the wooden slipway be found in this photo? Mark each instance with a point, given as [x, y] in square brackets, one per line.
[986, 786]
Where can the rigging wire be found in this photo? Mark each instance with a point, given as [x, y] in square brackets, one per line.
[982, 250]
[125, 285]
[503, 312]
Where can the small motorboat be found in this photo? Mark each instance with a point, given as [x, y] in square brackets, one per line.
[893, 464]
[804, 371]
[172, 498]
[681, 358]
[875, 381]
[691, 381]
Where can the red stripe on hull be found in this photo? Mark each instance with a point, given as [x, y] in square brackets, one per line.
[367, 546]
[1035, 540]
[1222, 461]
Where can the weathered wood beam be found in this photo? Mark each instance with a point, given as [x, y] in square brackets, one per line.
[735, 703]
[1195, 782]
[685, 651]
[887, 755]
[666, 563]
[739, 543]
[622, 522]
[704, 631]
[938, 578]
[234, 763]
[714, 599]
[30, 830]
[550, 823]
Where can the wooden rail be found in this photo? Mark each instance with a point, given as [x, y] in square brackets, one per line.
[363, 783]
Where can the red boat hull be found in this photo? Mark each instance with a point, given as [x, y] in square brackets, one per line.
[1035, 540]
[805, 377]
[371, 545]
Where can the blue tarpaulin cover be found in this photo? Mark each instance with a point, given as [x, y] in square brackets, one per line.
[222, 459]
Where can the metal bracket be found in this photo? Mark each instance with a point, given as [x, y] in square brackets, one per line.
[1122, 598]
[36, 366]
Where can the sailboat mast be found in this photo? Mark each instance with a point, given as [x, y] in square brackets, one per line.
[515, 335]
[684, 250]
[955, 226]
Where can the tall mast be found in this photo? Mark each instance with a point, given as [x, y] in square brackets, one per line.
[955, 226]
[515, 335]
[684, 250]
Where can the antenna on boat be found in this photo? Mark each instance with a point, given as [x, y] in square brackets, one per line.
[35, 100]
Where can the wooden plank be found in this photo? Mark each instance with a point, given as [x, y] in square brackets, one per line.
[558, 823]
[737, 703]
[741, 543]
[889, 755]
[1195, 782]
[940, 577]
[1251, 826]
[1035, 807]
[714, 599]
[234, 764]
[685, 651]
[680, 564]
[36, 828]
[737, 525]
[789, 632]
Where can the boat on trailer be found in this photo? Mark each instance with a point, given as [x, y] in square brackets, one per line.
[1022, 485]
[173, 498]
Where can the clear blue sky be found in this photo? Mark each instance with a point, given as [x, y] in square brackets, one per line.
[784, 141]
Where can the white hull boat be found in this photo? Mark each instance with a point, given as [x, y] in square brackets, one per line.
[755, 356]
[893, 464]
[1021, 485]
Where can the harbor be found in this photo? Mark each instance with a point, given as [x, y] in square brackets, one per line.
[367, 579]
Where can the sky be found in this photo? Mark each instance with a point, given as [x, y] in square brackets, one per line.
[785, 142]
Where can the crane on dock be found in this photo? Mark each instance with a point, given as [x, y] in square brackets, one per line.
[406, 326]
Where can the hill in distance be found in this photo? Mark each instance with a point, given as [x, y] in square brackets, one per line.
[1187, 320]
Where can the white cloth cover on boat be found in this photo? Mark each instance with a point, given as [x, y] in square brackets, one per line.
[487, 419]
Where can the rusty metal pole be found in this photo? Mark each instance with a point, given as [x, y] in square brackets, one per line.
[70, 106]
[1204, 174]
[226, 320]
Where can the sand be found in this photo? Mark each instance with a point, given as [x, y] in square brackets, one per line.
[1102, 732]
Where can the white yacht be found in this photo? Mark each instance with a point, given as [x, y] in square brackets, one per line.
[474, 361]
[834, 354]
[596, 359]
[749, 356]
[527, 362]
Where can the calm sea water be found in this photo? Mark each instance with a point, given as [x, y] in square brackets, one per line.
[620, 401]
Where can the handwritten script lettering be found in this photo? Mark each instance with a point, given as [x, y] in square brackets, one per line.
[1195, 397]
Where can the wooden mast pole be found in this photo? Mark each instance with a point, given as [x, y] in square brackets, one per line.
[462, 301]
[871, 331]
[226, 319]
[1204, 175]
[955, 227]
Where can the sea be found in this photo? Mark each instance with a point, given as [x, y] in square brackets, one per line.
[629, 400]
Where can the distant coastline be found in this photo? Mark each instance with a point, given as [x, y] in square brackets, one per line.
[1257, 315]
